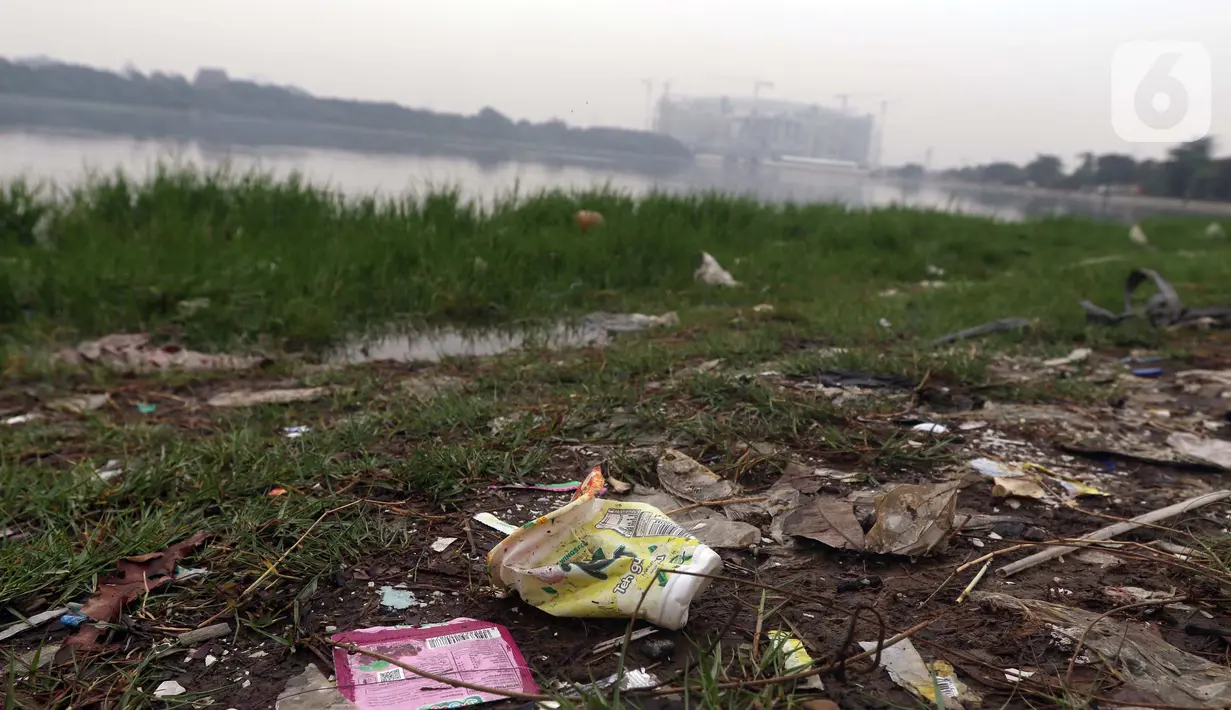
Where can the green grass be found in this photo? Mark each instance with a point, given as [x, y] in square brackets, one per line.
[287, 266]
[285, 263]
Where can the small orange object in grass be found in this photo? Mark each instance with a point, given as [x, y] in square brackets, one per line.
[587, 219]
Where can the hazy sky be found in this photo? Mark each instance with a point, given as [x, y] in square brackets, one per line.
[974, 79]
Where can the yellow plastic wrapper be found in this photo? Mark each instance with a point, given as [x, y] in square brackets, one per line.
[795, 657]
[599, 558]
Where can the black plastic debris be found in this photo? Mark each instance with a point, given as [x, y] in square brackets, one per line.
[1162, 310]
[1004, 325]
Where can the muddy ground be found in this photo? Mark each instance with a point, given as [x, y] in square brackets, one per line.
[816, 587]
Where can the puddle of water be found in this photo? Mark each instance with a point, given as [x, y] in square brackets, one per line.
[437, 344]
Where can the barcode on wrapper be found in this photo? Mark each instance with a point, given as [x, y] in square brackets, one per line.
[947, 687]
[476, 635]
[386, 676]
[665, 527]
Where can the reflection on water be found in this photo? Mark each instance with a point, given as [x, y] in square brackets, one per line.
[437, 344]
[65, 159]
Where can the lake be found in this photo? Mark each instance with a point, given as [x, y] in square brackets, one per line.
[65, 159]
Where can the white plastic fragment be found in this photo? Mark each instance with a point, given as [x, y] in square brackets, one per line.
[1076, 356]
[169, 688]
[442, 543]
[711, 272]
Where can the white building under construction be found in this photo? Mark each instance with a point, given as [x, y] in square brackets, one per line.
[767, 129]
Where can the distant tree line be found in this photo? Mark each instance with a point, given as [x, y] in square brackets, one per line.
[212, 91]
[1190, 171]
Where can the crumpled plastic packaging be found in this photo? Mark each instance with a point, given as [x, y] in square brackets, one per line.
[603, 558]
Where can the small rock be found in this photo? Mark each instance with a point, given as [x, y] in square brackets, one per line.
[657, 649]
[855, 585]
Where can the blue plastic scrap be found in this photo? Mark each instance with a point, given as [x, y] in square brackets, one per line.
[72, 621]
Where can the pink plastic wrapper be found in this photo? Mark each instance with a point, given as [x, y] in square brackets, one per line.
[477, 652]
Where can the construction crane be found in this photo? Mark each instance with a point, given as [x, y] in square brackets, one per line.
[844, 98]
[649, 103]
[757, 83]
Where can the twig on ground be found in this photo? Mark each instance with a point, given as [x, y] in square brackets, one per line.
[1112, 530]
[726, 501]
[974, 582]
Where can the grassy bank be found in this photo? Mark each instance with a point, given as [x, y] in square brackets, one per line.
[300, 265]
[304, 531]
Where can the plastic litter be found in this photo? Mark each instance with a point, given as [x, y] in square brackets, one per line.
[565, 487]
[720, 533]
[631, 680]
[80, 404]
[1004, 325]
[132, 352]
[1163, 309]
[37, 620]
[684, 477]
[169, 688]
[397, 598]
[913, 520]
[925, 680]
[72, 621]
[1157, 671]
[110, 471]
[1009, 480]
[597, 558]
[469, 650]
[1078, 355]
[311, 690]
[1215, 452]
[442, 543]
[495, 523]
[794, 658]
[616, 642]
[249, 398]
[711, 272]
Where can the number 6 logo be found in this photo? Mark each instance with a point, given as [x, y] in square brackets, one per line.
[1161, 92]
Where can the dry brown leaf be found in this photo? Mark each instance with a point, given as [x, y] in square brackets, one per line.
[138, 575]
[829, 521]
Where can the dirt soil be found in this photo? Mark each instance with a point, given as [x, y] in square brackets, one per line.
[818, 587]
